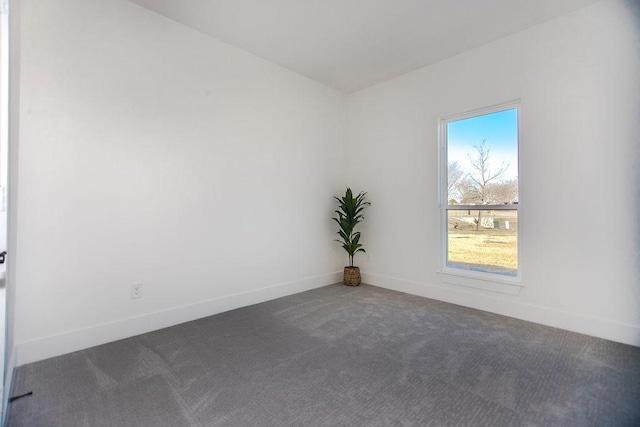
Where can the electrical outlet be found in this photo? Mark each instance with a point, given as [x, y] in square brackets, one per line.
[136, 290]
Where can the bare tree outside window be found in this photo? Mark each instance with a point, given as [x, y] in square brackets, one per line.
[504, 192]
[483, 176]
[455, 176]
[480, 217]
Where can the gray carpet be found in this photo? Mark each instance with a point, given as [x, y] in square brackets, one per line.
[339, 356]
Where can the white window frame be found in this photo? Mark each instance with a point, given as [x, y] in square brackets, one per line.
[458, 276]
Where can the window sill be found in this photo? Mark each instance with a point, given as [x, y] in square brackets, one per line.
[481, 281]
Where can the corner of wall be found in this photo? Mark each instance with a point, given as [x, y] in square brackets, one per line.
[79, 339]
[574, 322]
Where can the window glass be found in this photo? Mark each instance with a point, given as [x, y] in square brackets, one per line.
[481, 152]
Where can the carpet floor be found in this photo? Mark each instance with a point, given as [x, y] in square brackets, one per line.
[336, 355]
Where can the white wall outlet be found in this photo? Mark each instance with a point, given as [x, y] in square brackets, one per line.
[136, 290]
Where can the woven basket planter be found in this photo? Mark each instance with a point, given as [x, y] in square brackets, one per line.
[352, 276]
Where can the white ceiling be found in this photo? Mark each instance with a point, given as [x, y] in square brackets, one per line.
[352, 44]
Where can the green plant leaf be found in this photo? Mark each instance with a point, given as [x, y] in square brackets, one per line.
[348, 216]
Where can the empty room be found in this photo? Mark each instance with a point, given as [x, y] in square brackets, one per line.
[317, 212]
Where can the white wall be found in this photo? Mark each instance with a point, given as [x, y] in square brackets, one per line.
[577, 78]
[12, 214]
[4, 162]
[149, 152]
[152, 153]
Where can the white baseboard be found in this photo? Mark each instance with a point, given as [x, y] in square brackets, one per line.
[597, 327]
[56, 345]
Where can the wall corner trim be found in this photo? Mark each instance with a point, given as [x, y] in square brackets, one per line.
[79, 339]
[574, 322]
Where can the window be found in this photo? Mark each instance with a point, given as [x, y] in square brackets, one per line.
[479, 197]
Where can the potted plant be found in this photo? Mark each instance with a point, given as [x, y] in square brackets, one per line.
[349, 214]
